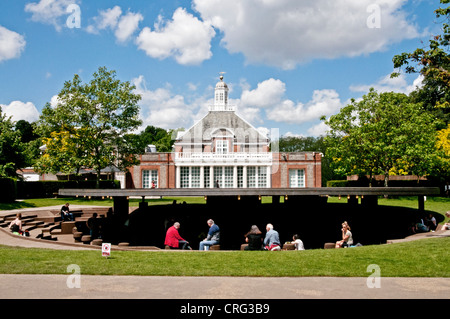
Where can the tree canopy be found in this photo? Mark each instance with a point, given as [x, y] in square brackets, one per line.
[12, 157]
[91, 126]
[384, 133]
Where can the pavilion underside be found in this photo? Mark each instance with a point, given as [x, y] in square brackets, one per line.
[226, 192]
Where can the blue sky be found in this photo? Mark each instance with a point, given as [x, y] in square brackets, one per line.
[287, 62]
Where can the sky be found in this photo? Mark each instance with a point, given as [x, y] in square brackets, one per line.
[286, 62]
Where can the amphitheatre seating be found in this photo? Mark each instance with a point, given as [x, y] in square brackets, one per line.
[329, 246]
[77, 236]
[288, 247]
[214, 247]
[67, 227]
[86, 239]
[96, 242]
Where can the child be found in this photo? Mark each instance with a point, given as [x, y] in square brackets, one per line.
[298, 243]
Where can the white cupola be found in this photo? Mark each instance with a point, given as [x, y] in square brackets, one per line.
[221, 97]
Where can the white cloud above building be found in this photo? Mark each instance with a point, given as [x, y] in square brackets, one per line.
[12, 44]
[53, 12]
[285, 33]
[184, 38]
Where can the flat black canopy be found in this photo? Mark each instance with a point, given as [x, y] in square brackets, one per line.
[199, 192]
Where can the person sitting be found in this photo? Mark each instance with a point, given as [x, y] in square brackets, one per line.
[173, 238]
[431, 222]
[347, 238]
[297, 243]
[446, 226]
[66, 215]
[16, 224]
[254, 239]
[272, 239]
[421, 227]
[213, 237]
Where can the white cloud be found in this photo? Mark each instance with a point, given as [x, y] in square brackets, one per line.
[318, 129]
[49, 11]
[107, 19]
[124, 26]
[285, 33]
[185, 38]
[11, 44]
[127, 25]
[387, 84]
[162, 108]
[270, 96]
[21, 111]
[267, 93]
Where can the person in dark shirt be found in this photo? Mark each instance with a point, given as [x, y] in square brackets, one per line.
[254, 239]
[66, 215]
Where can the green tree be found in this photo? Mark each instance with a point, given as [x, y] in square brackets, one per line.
[157, 136]
[384, 133]
[91, 126]
[12, 156]
[433, 63]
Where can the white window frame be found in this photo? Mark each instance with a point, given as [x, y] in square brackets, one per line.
[221, 146]
[296, 178]
[148, 176]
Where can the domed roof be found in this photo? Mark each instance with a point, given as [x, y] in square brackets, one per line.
[221, 84]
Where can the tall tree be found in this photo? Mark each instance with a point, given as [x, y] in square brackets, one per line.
[91, 125]
[12, 156]
[433, 63]
[159, 137]
[384, 133]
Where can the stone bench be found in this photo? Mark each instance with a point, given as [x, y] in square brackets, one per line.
[288, 246]
[86, 239]
[77, 236]
[67, 227]
[97, 242]
[214, 247]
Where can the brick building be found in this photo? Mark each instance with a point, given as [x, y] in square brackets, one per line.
[224, 150]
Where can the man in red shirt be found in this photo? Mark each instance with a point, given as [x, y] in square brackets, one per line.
[173, 238]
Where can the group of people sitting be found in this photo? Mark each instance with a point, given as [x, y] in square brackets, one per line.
[424, 225]
[271, 241]
[254, 238]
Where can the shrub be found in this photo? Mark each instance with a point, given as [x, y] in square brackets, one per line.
[8, 190]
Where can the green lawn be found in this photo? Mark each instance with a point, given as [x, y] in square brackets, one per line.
[134, 202]
[421, 258]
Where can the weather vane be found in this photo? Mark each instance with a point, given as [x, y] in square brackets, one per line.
[221, 75]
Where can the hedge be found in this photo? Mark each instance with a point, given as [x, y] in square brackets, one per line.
[8, 191]
[46, 189]
[391, 183]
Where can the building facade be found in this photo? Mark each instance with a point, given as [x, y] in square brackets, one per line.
[224, 150]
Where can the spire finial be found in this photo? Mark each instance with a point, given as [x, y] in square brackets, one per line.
[221, 75]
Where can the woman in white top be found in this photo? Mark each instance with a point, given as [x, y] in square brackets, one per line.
[16, 224]
[347, 238]
[298, 243]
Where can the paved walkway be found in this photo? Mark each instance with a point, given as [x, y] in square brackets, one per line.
[156, 287]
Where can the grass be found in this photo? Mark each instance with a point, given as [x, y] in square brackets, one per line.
[134, 202]
[421, 258]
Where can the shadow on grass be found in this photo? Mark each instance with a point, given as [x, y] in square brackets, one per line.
[16, 205]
